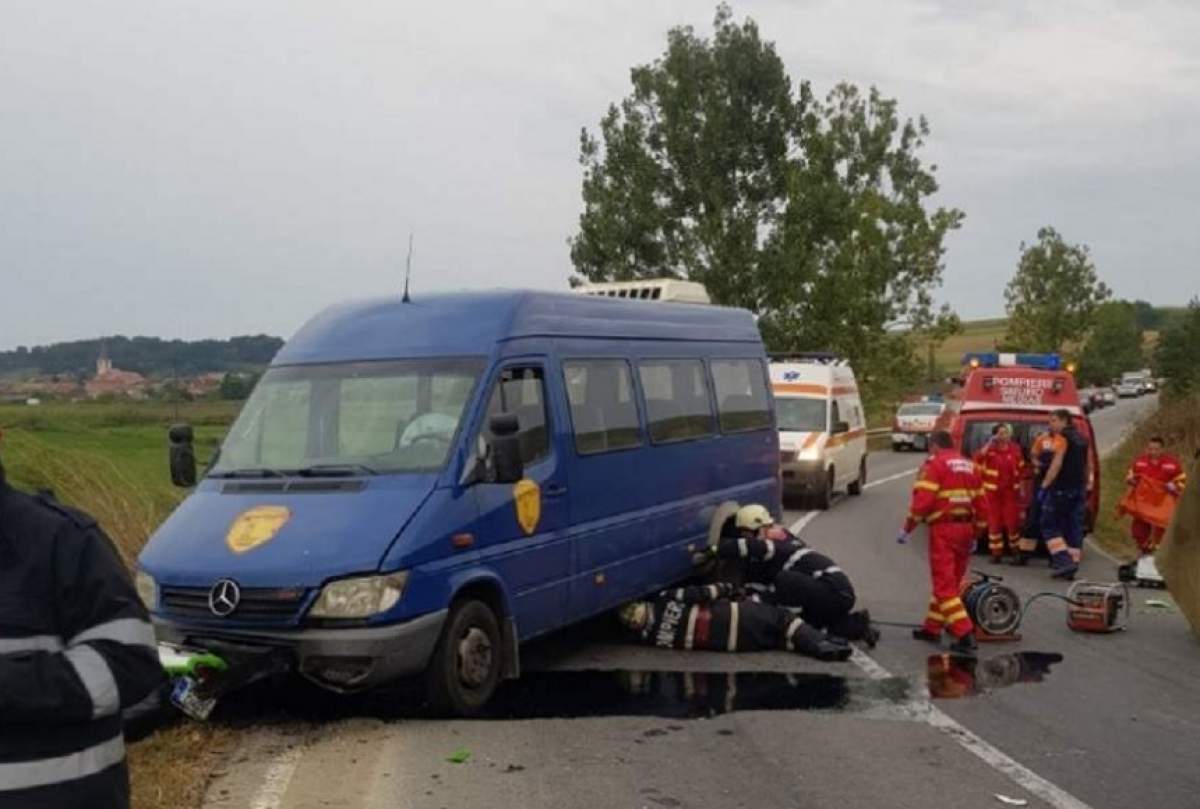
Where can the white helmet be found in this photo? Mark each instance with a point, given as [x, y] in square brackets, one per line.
[753, 517]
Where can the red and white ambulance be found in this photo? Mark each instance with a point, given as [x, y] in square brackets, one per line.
[1021, 390]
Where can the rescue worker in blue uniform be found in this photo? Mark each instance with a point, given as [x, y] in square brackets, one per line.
[76, 651]
[1063, 496]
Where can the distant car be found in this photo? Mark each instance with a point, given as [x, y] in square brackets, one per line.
[1129, 389]
[914, 422]
[1149, 385]
[1098, 400]
[1110, 397]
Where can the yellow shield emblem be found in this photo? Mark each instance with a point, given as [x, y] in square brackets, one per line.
[528, 498]
[256, 527]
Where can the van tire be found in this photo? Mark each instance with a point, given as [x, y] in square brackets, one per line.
[467, 662]
[856, 486]
[823, 497]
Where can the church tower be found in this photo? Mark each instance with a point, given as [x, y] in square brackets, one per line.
[104, 365]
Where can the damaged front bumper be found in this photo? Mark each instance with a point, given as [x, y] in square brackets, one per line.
[340, 659]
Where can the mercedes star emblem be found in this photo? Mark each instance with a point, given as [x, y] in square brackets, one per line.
[223, 598]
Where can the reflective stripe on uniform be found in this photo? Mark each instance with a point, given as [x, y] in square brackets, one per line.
[792, 629]
[47, 771]
[991, 487]
[770, 552]
[97, 678]
[928, 485]
[33, 643]
[129, 631]
[830, 569]
[733, 626]
[795, 558]
[690, 637]
[1056, 545]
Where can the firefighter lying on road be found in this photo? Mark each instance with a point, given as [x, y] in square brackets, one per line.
[781, 569]
[708, 617]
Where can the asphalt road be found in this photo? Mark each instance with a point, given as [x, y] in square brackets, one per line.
[1115, 723]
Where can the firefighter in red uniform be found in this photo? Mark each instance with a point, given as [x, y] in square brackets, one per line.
[1002, 465]
[1156, 465]
[948, 495]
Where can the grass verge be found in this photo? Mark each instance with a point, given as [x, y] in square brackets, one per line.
[1178, 422]
[111, 461]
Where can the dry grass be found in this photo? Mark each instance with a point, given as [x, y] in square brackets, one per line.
[172, 768]
[110, 461]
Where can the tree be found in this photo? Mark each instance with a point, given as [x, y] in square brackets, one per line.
[1053, 295]
[1148, 317]
[1114, 344]
[809, 213]
[1178, 352]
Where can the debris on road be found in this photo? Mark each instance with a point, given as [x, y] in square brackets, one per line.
[1158, 603]
[1011, 801]
[459, 756]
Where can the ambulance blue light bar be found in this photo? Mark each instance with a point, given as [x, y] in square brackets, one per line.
[993, 359]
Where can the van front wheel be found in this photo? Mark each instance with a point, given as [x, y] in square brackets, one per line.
[859, 483]
[467, 661]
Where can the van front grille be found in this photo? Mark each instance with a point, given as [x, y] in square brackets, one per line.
[266, 604]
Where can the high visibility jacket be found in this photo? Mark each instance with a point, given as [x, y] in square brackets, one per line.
[1164, 469]
[1002, 466]
[76, 650]
[948, 489]
[1043, 450]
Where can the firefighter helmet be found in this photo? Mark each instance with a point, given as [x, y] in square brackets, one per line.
[753, 517]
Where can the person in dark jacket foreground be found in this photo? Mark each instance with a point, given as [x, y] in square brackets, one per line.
[710, 617]
[76, 651]
[780, 568]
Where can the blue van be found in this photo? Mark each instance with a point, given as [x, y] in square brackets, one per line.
[422, 486]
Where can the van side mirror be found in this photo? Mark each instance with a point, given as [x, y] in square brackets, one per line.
[506, 448]
[841, 427]
[182, 455]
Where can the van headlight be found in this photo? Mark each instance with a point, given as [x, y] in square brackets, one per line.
[360, 597]
[810, 454]
[147, 589]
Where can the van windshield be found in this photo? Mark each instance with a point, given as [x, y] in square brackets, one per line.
[796, 415]
[361, 417]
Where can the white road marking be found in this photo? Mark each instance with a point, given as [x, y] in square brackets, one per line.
[890, 478]
[925, 711]
[804, 520]
[275, 783]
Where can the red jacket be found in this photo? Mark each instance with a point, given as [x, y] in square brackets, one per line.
[948, 489]
[1003, 467]
[1166, 469]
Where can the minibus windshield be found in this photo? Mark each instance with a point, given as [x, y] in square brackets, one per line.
[797, 415]
[353, 418]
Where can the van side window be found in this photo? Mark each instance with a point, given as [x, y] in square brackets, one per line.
[603, 411]
[741, 389]
[677, 403]
[521, 391]
[835, 414]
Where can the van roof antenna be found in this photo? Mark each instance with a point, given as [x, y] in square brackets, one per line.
[407, 270]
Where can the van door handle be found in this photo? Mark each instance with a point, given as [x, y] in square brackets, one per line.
[555, 490]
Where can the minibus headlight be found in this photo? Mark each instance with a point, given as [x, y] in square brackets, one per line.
[360, 597]
[147, 589]
[810, 454]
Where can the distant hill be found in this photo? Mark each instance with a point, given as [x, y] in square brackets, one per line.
[150, 356]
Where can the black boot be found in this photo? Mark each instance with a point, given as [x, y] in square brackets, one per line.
[808, 640]
[965, 645]
[927, 636]
[1019, 560]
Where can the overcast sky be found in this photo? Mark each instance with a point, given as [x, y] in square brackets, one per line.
[210, 168]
